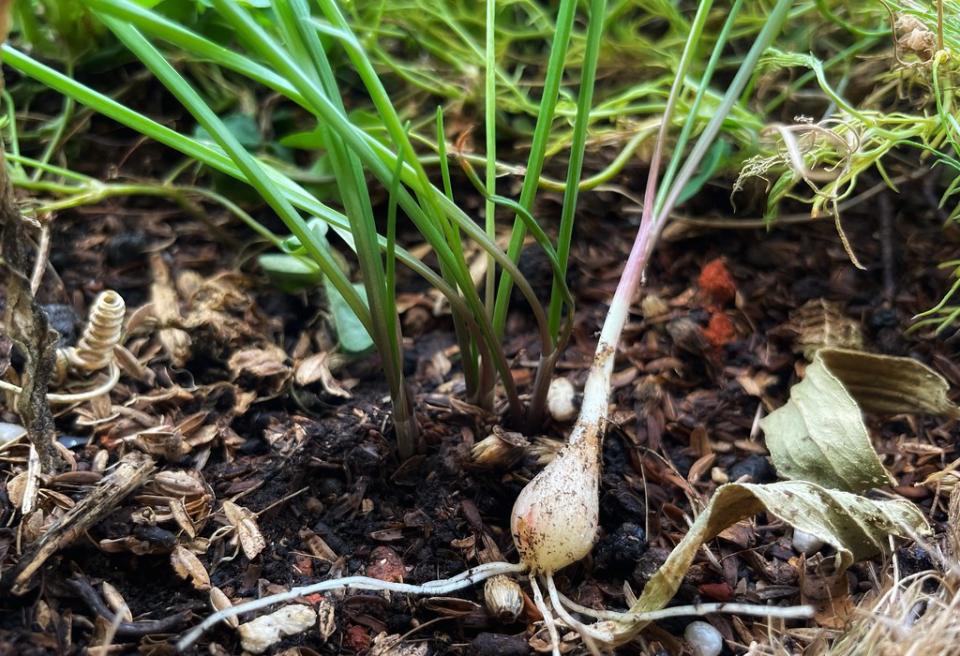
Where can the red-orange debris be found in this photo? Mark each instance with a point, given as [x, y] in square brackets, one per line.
[720, 330]
[716, 282]
[303, 564]
[717, 591]
[357, 638]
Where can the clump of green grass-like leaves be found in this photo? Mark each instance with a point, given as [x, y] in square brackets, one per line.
[288, 54]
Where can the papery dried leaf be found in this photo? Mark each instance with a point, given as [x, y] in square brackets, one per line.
[16, 487]
[190, 423]
[245, 523]
[188, 567]
[819, 324]
[393, 645]
[181, 517]
[310, 369]
[202, 436]
[132, 367]
[163, 441]
[260, 634]
[219, 601]
[819, 434]
[316, 368]
[857, 527]
[326, 614]
[259, 362]
[886, 384]
[318, 546]
[163, 296]
[178, 482]
[116, 602]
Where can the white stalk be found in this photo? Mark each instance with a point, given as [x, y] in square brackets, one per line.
[556, 516]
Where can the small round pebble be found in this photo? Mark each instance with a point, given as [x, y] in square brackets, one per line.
[561, 400]
[10, 432]
[806, 543]
[703, 639]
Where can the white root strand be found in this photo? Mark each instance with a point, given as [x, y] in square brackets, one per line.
[757, 610]
[589, 635]
[548, 620]
[442, 586]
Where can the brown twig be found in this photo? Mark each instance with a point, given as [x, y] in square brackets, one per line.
[126, 629]
[129, 475]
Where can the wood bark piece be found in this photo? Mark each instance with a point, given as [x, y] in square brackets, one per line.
[27, 326]
[130, 474]
[25, 322]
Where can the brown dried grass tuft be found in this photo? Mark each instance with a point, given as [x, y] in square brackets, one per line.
[915, 615]
[918, 615]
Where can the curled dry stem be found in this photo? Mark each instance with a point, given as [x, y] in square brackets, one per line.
[94, 352]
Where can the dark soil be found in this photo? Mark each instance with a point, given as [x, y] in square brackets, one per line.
[335, 501]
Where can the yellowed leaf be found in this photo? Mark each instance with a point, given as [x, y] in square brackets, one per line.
[857, 527]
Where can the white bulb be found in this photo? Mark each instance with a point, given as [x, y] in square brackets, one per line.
[554, 520]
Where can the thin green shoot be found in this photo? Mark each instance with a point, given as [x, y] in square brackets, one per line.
[490, 131]
[538, 146]
[692, 114]
[588, 72]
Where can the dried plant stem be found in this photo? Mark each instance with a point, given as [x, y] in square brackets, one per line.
[442, 586]
[74, 397]
[28, 327]
[40, 264]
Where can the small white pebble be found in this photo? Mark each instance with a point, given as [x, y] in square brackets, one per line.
[10, 432]
[703, 639]
[805, 543]
[560, 400]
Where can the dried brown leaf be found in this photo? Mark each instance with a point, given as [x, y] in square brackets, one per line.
[857, 527]
[818, 324]
[219, 601]
[188, 567]
[245, 523]
[317, 368]
[886, 384]
[819, 434]
[259, 362]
